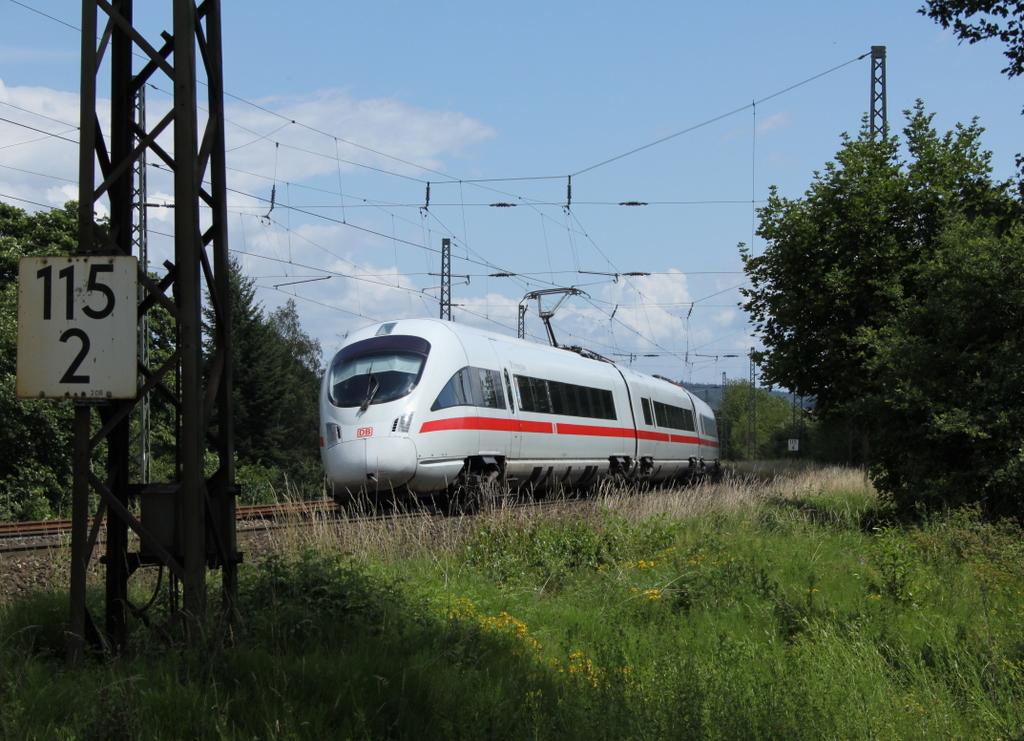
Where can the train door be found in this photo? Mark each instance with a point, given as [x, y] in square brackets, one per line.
[516, 435]
[709, 443]
[492, 412]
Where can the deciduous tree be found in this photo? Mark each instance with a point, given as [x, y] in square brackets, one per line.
[950, 366]
[836, 260]
[977, 20]
[893, 292]
[276, 374]
[754, 424]
[35, 437]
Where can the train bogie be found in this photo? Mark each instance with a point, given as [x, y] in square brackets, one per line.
[418, 407]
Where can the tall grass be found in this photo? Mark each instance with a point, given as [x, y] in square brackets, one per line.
[767, 607]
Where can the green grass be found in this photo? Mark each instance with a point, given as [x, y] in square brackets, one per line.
[784, 610]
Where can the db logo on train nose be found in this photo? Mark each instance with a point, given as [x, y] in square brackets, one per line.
[364, 432]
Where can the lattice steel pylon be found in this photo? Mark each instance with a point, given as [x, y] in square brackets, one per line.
[446, 279]
[877, 118]
[187, 524]
[752, 412]
[140, 246]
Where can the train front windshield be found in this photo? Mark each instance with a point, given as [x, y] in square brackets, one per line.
[376, 370]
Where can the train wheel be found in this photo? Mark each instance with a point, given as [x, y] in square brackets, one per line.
[472, 493]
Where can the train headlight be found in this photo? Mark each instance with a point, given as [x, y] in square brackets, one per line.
[403, 423]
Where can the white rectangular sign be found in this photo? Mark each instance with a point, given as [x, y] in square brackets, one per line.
[78, 327]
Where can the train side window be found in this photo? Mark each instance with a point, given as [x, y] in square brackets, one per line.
[457, 392]
[525, 389]
[556, 392]
[564, 399]
[469, 386]
[541, 395]
[511, 396]
[533, 394]
[673, 417]
[491, 395]
[572, 400]
[646, 404]
[710, 426]
[602, 404]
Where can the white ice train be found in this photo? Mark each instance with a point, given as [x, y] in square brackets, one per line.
[423, 407]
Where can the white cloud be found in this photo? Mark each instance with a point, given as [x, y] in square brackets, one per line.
[293, 139]
[353, 296]
[781, 120]
[38, 145]
[762, 127]
[645, 302]
[61, 194]
[368, 259]
[298, 137]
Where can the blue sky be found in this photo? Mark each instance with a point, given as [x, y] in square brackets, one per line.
[500, 103]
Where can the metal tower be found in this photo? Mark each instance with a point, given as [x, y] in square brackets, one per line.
[189, 523]
[140, 245]
[752, 412]
[877, 119]
[446, 279]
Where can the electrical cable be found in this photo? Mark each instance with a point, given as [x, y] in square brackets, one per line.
[40, 115]
[40, 131]
[462, 182]
[38, 174]
[719, 117]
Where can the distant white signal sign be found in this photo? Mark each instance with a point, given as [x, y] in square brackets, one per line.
[77, 327]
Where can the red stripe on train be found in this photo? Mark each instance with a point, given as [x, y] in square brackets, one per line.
[660, 437]
[563, 428]
[594, 430]
[486, 423]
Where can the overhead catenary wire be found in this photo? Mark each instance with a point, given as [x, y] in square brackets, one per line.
[40, 131]
[412, 292]
[419, 292]
[452, 179]
[73, 127]
[462, 182]
[416, 292]
[715, 119]
[46, 15]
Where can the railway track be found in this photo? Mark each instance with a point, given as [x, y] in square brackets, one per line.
[43, 534]
[46, 534]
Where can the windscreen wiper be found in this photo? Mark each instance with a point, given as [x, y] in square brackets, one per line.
[372, 387]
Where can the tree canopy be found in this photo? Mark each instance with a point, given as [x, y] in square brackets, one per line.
[35, 438]
[977, 20]
[276, 381]
[950, 364]
[277, 372]
[754, 424]
[836, 260]
[892, 292]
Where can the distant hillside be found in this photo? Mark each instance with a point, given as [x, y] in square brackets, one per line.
[712, 394]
